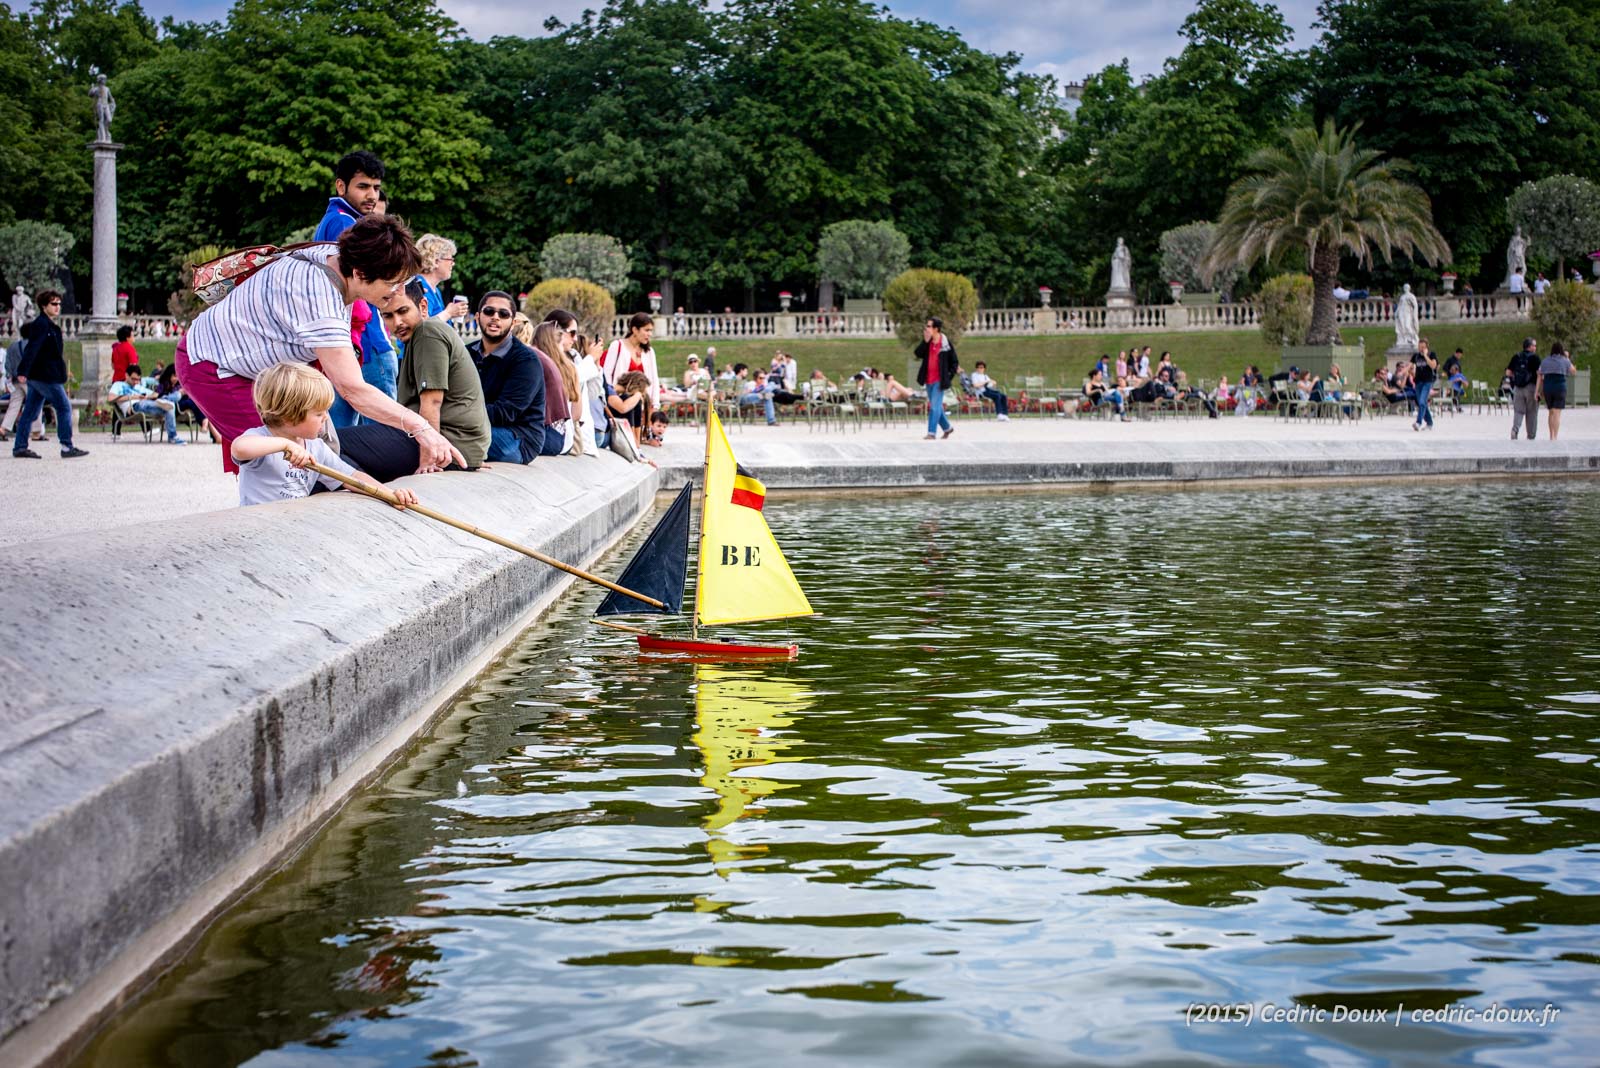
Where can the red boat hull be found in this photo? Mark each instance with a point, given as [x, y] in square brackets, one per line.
[649, 643]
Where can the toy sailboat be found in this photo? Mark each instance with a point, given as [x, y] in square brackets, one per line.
[742, 576]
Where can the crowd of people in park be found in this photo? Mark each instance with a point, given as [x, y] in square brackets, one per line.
[344, 352]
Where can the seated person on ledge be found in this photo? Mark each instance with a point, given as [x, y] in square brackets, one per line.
[436, 379]
[275, 458]
[513, 383]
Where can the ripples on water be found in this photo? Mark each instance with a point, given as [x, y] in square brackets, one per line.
[1051, 769]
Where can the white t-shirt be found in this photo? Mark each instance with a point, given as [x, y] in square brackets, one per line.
[980, 381]
[1540, 285]
[271, 477]
[277, 315]
[1516, 285]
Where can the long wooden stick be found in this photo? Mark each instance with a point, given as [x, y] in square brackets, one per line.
[384, 495]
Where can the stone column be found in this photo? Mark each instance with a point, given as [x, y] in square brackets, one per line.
[784, 325]
[100, 332]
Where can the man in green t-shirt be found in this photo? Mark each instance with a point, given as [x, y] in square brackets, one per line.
[437, 378]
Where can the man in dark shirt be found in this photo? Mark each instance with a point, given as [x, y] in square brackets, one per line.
[513, 383]
[1524, 372]
[43, 370]
[1427, 366]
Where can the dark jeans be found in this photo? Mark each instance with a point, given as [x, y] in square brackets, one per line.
[40, 394]
[381, 451]
[1000, 400]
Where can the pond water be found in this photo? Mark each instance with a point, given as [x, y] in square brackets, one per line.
[1114, 779]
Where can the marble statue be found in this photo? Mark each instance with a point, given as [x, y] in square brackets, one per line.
[1121, 269]
[1406, 320]
[1516, 257]
[105, 107]
[22, 310]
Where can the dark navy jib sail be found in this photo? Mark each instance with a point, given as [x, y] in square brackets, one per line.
[659, 568]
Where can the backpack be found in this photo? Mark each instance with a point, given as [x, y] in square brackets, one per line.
[215, 279]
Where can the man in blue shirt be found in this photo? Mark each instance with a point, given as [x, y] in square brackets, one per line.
[358, 189]
[513, 383]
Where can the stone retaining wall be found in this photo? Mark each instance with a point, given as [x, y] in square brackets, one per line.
[141, 788]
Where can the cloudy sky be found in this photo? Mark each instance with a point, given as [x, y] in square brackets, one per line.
[1066, 38]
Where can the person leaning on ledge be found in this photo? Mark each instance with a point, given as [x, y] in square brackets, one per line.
[513, 383]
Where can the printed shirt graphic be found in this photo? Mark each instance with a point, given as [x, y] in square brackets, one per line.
[272, 478]
[743, 575]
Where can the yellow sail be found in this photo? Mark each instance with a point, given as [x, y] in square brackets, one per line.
[743, 575]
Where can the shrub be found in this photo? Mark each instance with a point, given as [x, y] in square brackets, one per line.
[1184, 250]
[590, 303]
[1566, 313]
[1286, 309]
[596, 258]
[860, 256]
[916, 294]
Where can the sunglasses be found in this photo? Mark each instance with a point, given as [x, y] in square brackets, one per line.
[571, 330]
[497, 313]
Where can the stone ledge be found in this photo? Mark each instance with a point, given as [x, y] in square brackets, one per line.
[307, 641]
[921, 464]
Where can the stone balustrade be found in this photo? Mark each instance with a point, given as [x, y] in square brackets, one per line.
[1377, 313]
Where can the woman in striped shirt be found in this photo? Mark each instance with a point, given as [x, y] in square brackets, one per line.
[297, 310]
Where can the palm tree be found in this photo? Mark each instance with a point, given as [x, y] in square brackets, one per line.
[1322, 193]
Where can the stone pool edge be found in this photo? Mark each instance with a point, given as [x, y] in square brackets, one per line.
[843, 465]
[137, 809]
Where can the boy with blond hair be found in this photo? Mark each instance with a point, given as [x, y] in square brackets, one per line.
[275, 458]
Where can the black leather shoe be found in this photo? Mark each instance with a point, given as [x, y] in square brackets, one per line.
[70, 454]
[26, 454]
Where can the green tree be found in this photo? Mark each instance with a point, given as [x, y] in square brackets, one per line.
[1559, 215]
[32, 252]
[597, 258]
[1323, 194]
[1143, 160]
[289, 86]
[1428, 82]
[861, 256]
[913, 296]
[1567, 313]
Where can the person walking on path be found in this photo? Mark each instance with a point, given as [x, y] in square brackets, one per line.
[1524, 372]
[43, 370]
[1427, 367]
[1552, 385]
[936, 372]
[296, 309]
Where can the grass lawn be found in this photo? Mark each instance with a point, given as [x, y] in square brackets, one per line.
[1066, 360]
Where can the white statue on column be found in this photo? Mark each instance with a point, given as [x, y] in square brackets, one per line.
[105, 108]
[1406, 321]
[22, 310]
[1121, 269]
